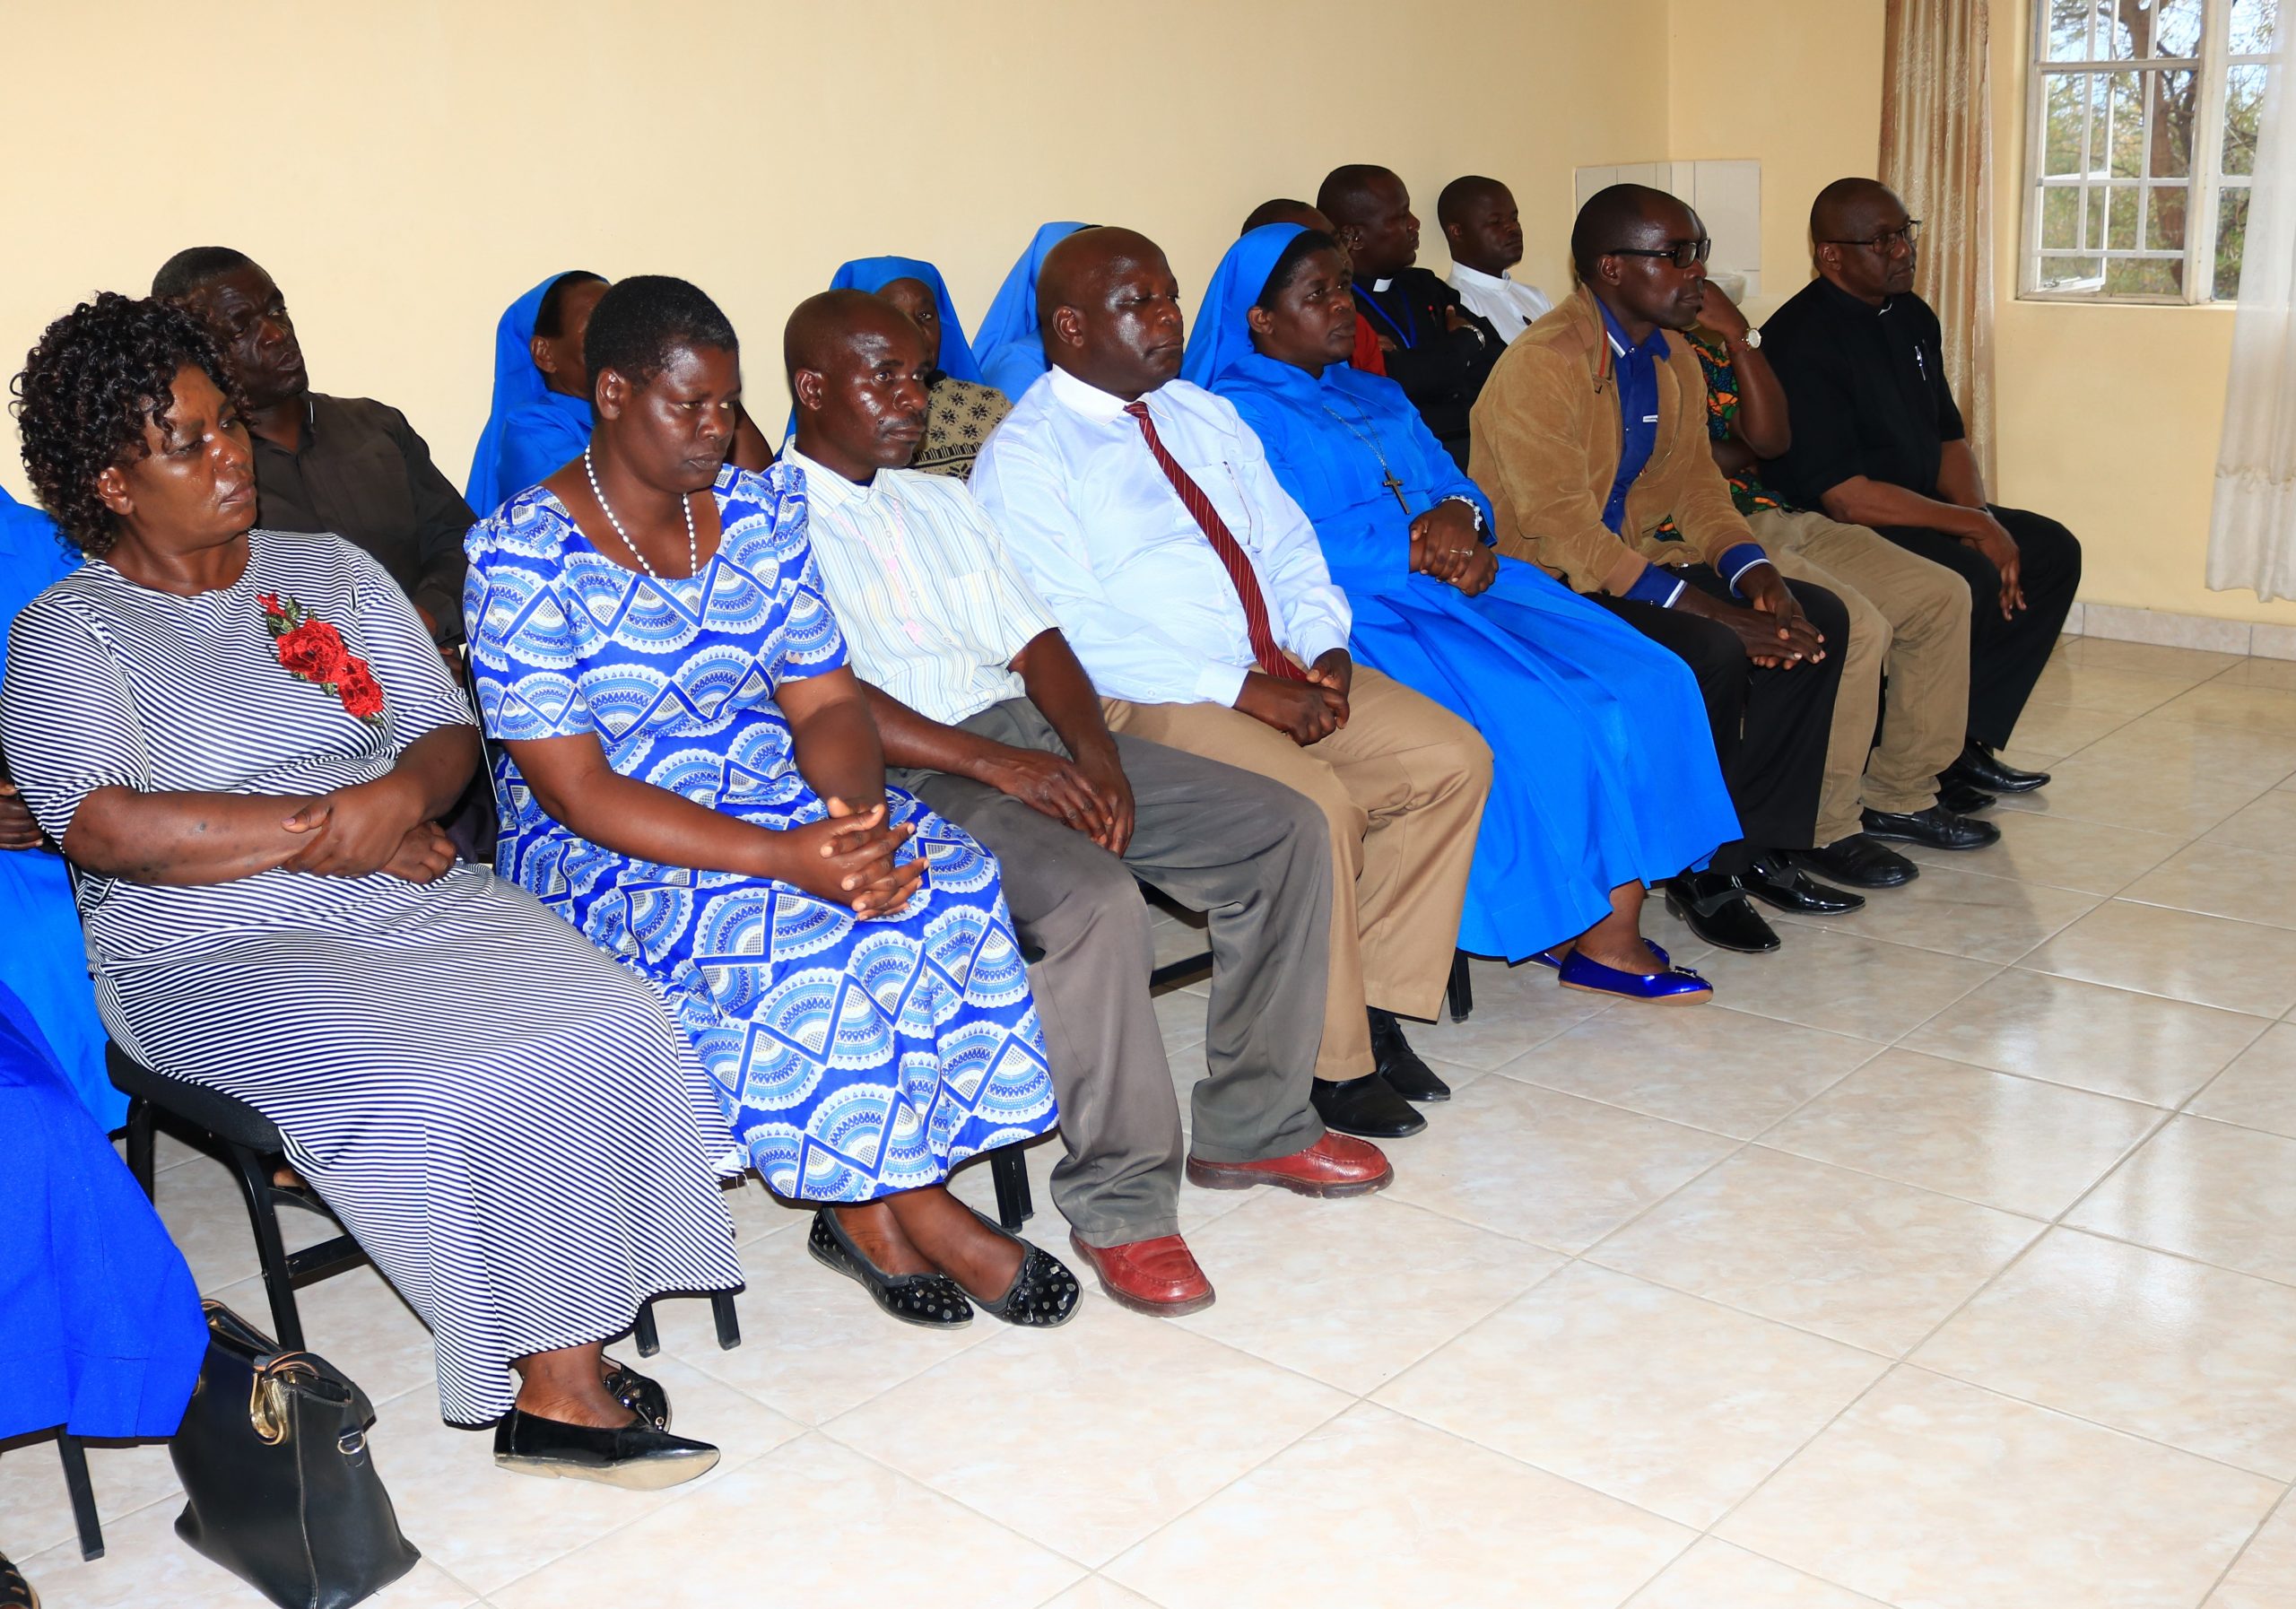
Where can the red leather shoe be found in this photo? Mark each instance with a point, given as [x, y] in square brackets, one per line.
[1158, 1277]
[1337, 1164]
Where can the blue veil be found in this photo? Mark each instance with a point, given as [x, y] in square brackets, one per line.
[875, 273]
[1008, 342]
[529, 421]
[1222, 337]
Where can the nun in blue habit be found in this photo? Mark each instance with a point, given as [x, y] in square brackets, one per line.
[541, 418]
[959, 408]
[1009, 343]
[45, 960]
[1605, 776]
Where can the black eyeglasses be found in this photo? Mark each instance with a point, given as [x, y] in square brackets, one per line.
[1683, 254]
[1888, 242]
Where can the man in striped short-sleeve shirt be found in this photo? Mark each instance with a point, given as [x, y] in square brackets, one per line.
[986, 716]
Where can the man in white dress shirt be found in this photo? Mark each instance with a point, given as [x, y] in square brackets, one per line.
[1483, 233]
[985, 715]
[1143, 510]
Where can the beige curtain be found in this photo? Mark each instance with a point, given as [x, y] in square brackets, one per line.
[2252, 523]
[1937, 155]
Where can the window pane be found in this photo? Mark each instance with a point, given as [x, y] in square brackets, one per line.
[2231, 231]
[2126, 109]
[2175, 25]
[2164, 218]
[2175, 103]
[2253, 27]
[2071, 274]
[2243, 110]
[2068, 30]
[2060, 218]
[2063, 106]
[2120, 217]
[2143, 277]
[2123, 31]
[2093, 232]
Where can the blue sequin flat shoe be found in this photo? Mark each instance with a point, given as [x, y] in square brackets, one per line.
[1668, 985]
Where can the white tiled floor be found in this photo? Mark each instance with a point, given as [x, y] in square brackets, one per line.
[1948, 1260]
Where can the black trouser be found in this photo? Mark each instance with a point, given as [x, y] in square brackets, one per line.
[2006, 656]
[1770, 726]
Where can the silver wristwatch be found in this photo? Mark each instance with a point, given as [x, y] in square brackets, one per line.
[1751, 339]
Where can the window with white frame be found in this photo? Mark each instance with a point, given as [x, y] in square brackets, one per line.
[2139, 144]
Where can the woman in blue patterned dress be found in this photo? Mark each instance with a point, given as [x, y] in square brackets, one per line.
[691, 778]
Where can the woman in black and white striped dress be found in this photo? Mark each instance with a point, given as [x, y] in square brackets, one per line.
[242, 739]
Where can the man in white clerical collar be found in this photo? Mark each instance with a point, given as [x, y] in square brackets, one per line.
[1483, 233]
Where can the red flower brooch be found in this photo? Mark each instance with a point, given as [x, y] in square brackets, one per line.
[311, 650]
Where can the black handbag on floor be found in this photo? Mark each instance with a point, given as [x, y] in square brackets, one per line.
[282, 1491]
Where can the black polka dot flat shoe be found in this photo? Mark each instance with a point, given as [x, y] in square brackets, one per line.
[1044, 1293]
[932, 1300]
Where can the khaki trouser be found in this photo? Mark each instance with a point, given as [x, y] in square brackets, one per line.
[1401, 788]
[1907, 616]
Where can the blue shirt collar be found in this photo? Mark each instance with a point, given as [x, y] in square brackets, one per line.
[1653, 345]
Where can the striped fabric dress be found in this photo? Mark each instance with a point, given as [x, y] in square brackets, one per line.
[509, 1123]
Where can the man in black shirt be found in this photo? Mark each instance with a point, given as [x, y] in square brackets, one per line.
[346, 464]
[1436, 349]
[1878, 441]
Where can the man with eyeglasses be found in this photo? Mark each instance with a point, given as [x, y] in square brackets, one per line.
[1590, 439]
[1878, 441]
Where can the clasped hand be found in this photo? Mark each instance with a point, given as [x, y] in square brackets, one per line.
[1308, 711]
[847, 859]
[371, 827]
[1090, 794]
[1445, 545]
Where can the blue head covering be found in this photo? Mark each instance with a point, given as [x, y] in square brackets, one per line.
[32, 557]
[1008, 342]
[875, 273]
[1222, 336]
[524, 408]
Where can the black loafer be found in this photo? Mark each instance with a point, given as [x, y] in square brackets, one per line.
[1937, 827]
[641, 1394]
[1364, 1107]
[930, 1301]
[1717, 910]
[1776, 884]
[1860, 860]
[1979, 767]
[635, 1457]
[1399, 1064]
[1961, 798]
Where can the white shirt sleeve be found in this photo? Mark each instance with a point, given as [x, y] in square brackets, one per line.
[1125, 653]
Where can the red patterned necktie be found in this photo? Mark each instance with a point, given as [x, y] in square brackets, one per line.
[1272, 658]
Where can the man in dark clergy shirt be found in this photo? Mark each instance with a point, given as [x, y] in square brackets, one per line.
[346, 464]
[1878, 441]
[1436, 349]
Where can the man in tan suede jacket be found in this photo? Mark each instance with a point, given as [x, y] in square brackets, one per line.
[1588, 437]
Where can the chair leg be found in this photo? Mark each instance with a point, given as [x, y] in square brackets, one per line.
[1015, 1206]
[84, 1496]
[270, 1251]
[729, 1322]
[1460, 991]
[649, 1338]
[143, 1142]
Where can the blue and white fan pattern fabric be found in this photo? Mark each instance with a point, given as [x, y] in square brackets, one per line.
[853, 1057]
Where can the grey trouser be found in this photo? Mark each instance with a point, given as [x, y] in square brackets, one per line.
[1252, 854]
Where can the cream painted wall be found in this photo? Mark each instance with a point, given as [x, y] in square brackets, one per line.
[429, 161]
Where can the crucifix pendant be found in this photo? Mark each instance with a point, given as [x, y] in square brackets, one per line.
[1396, 486]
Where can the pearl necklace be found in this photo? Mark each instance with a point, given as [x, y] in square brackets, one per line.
[692, 543]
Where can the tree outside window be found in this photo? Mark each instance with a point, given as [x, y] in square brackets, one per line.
[2141, 144]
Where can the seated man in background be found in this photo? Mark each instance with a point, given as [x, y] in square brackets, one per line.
[1483, 233]
[1906, 616]
[344, 465]
[1590, 437]
[1878, 441]
[987, 716]
[1144, 511]
[1364, 355]
[1437, 351]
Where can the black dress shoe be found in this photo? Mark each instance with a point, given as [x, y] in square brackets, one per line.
[1364, 1107]
[1714, 908]
[1861, 860]
[640, 1393]
[1776, 884]
[1399, 1064]
[1979, 767]
[930, 1301]
[634, 1456]
[1938, 827]
[1962, 798]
